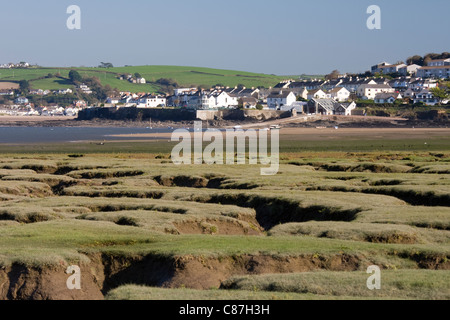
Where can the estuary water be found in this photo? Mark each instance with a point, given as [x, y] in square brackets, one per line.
[27, 135]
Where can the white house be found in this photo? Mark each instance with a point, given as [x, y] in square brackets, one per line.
[302, 93]
[243, 92]
[352, 84]
[218, 99]
[181, 91]
[317, 94]
[376, 68]
[368, 91]
[280, 98]
[151, 101]
[141, 80]
[226, 100]
[409, 93]
[345, 109]
[85, 88]
[426, 97]
[387, 97]
[63, 91]
[248, 102]
[7, 92]
[71, 112]
[422, 84]
[400, 83]
[339, 94]
[208, 101]
[434, 72]
[439, 62]
[409, 70]
[191, 100]
[21, 100]
[391, 68]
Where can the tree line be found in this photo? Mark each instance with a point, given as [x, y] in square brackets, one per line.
[423, 61]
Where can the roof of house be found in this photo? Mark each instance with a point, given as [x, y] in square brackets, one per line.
[279, 94]
[328, 104]
[411, 65]
[424, 91]
[337, 89]
[436, 60]
[249, 99]
[386, 95]
[313, 92]
[391, 65]
[334, 82]
[376, 86]
[306, 83]
[348, 105]
[249, 90]
[435, 67]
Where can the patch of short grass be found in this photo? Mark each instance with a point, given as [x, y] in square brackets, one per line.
[395, 284]
[134, 292]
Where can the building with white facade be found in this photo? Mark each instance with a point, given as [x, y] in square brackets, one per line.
[387, 97]
[369, 91]
[426, 97]
[218, 99]
[316, 94]
[410, 70]
[151, 101]
[392, 68]
[376, 68]
[439, 62]
[441, 72]
[180, 91]
[280, 98]
[339, 94]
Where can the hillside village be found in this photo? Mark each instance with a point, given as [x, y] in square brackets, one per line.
[385, 84]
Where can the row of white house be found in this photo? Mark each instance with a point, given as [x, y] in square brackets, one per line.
[438, 68]
[14, 65]
[144, 100]
[424, 96]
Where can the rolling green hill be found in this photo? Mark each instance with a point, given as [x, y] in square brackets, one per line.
[184, 76]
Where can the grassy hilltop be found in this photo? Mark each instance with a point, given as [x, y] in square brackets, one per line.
[184, 76]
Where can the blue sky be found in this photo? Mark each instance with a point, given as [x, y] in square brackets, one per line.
[284, 37]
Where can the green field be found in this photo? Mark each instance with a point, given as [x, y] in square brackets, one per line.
[184, 76]
[140, 227]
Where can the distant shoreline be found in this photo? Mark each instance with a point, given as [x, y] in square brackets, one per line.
[39, 121]
[324, 122]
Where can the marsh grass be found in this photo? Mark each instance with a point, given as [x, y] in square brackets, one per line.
[395, 284]
[135, 292]
[370, 232]
[385, 208]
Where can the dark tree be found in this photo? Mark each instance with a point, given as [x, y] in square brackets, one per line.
[75, 77]
[24, 86]
[333, 75]
[415, 60]
[166, 82]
